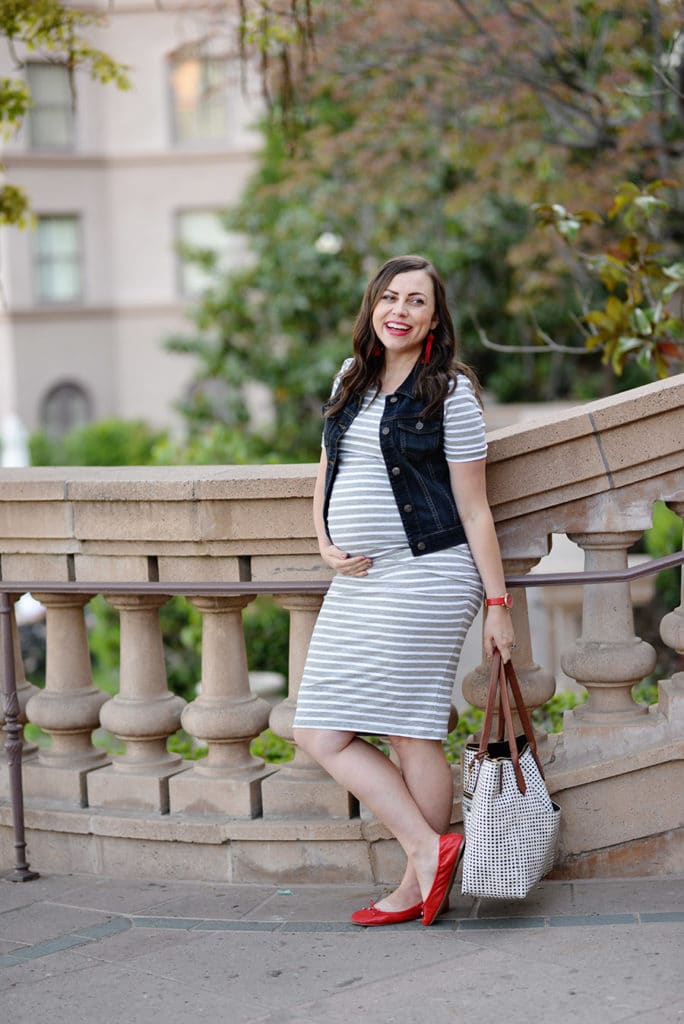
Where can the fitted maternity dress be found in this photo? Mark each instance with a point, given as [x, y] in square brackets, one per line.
[385, 648]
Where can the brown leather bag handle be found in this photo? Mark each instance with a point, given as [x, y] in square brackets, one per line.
[508, 718]
[501, 677]
[489, 710]
[522, 713]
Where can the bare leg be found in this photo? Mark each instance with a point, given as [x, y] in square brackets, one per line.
[428, 777]
[367, 773]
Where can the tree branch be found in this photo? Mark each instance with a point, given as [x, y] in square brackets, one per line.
[540, 82]
[549, 345]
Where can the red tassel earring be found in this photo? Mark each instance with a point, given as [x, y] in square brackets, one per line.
[428, 348]
[377, 351]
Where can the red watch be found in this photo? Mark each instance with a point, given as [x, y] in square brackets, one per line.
[506, 601]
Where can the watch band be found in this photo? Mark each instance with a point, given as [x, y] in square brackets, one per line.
[506, 600]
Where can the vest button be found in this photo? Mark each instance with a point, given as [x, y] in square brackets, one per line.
[419, 425]
[395, 471]
[421, 545]
[385, 430]
[393, 399]
[408, 508]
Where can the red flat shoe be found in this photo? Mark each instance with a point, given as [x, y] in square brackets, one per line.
[451, 847]
[370, 915]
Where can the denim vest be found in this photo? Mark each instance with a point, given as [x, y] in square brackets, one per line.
[412, 448]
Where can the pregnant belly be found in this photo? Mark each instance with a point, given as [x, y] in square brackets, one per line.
[364, 523]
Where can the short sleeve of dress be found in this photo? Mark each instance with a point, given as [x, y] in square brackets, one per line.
[464, 430]
[336, 383]
[338, 376]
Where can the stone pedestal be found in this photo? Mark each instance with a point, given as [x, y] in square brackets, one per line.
[67, 709]
[608, 659]
[227, 716]
[143, 714]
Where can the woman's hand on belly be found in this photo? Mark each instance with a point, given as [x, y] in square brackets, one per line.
[347, 565]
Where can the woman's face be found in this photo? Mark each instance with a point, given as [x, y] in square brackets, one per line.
[405, 312]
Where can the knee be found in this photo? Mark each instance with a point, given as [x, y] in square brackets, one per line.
[320, 743]
[400, 744]
[404, 745]
[408, 747]
[305, 740]
[313, 742]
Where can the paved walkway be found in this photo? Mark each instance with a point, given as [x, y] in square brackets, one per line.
[84, 950]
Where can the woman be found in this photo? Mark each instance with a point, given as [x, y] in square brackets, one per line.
[401, 515]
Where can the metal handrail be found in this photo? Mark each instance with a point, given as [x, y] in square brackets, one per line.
[13, 728]
[246, 587]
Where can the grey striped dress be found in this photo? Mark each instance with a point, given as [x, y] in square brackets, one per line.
[385, 648]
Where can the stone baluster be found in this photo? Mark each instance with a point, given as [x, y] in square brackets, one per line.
[301, 786]
[537, 685]
[67, 709]
[608, 659]
[227, 716]
[25, 690]
[671, 691]
[143, 714]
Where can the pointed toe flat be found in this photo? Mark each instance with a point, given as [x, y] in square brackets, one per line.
[451, 847]
[370, 916]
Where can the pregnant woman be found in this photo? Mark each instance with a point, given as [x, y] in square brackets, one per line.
[401, 515]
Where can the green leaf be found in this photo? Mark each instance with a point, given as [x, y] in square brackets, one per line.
[627, 344]
[643, 324]
[589, 217]
[568, 227]
[675, 271]
[15, 101]
[649, 204]
[670, 289]
[14, 207]
[625, 195]
[615, 309]
[600, 319]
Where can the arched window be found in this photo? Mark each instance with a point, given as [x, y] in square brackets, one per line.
[65, 406]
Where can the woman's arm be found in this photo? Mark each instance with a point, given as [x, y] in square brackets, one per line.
[338, 560]
[468, 484]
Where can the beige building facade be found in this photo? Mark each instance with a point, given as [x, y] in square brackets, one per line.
[117, 185]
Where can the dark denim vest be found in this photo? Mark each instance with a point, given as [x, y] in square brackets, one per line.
[412, 448]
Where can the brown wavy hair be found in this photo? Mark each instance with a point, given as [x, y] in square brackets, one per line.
[434, 378]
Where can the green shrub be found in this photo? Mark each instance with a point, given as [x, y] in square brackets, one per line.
[111, 442]
[646, 692]
[549, 716]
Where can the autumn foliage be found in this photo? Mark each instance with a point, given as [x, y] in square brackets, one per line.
[441, 126]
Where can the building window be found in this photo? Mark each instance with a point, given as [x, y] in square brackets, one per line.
[65, 407]
[205, 248]
[58, 259]
[200, 95]
[51, 116]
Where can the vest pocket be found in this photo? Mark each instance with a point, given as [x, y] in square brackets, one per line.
[416, 437]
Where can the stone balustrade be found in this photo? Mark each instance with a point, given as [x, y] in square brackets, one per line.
[592, 473]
